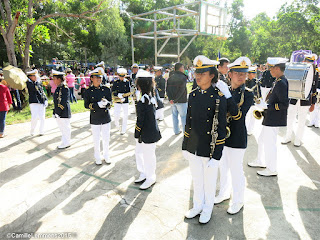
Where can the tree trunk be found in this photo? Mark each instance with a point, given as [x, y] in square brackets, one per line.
[9, 42]
[26, 52]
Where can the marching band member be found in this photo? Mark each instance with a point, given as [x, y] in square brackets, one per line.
[161, 88]
[136, 95]
[147, 132]
[62, 111]
[301, 108]
[275, 116]
[223, 69]
[37, 101]
[104, 75]
[236, 144]
[120, 87]
[254, 85]
[314, 115]
[204, 136]
[98, 99]
[266, 83]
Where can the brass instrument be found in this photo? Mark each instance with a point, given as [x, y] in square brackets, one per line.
[116, 99]
[214, 130]
[229, 117]
[258, 114]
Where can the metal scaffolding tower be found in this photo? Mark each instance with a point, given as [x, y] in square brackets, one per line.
[210, 19]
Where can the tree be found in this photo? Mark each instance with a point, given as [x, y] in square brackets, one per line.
[35, 13]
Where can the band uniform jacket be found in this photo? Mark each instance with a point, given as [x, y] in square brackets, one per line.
[92, 96]
[255, 85]
[61, 101]
[161, 86]
[36, 92]
[177, 87]
[200, 113]
[146, 129]
[267, 79]
[237, 125]
[312, 95]
[278, 102]
[121, 87]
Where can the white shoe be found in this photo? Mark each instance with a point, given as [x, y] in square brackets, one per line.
[267, 173]
[141, 178]
[310, 124]
[147, 184]
[122, 133]
[255, 164]
[297, 143]
[205, 217]
[193, 212]
[235, 208]
[286, 141]
[98, 162]
[219, 199]
[316, 125]
[107, 160]
[63, 146]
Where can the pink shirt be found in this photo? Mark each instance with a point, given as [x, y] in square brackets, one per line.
[83, 83]
[70, 80]
[53, 86]
[87, 78]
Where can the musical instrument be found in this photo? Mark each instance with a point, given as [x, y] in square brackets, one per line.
[300, 78]
[258, 114]
[116, 99]
[214, 130]
[229, 117]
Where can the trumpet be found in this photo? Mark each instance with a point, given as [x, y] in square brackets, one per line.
[258, 114]
[116, 99]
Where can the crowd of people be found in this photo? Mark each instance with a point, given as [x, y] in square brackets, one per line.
[216, 117]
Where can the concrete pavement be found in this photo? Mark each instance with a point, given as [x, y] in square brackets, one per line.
[46, 190]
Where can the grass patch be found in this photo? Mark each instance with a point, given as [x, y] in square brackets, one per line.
[25, 115]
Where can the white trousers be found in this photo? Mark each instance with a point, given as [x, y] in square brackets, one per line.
[117, 113]
[264, 92]
[204, 181]
[267, 147]
[250, 120]
[315, 115]
[104, 131]
[293, 111]
[146, 159]
[160, 112]
[231, 162]
[65, 128]
[38, 112]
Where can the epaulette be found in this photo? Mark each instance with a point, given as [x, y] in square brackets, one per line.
[248, 89]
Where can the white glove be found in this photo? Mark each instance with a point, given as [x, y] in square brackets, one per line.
[223, 87]
[101, 104]
[45, 103]
[213, 163]
[105, 102]
[262, 105]
[56, 116]
[120, 95]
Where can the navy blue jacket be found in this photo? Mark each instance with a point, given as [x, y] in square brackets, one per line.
[312, 95]
[61, 101]
[161, 86]
[237, 125]
[146, 129]
[201, 109]
[278, 103]
[36, 93]
[121, 87]
[267, 79]
[92, 96]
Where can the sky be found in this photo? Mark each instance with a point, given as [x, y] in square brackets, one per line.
[254, 7]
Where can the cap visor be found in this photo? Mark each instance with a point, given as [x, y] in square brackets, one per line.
[240, 69]
[202, 70]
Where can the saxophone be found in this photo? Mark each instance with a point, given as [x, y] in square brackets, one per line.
[229, 117]
[214, 130]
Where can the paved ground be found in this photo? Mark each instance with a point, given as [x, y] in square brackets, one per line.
[45, 190]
